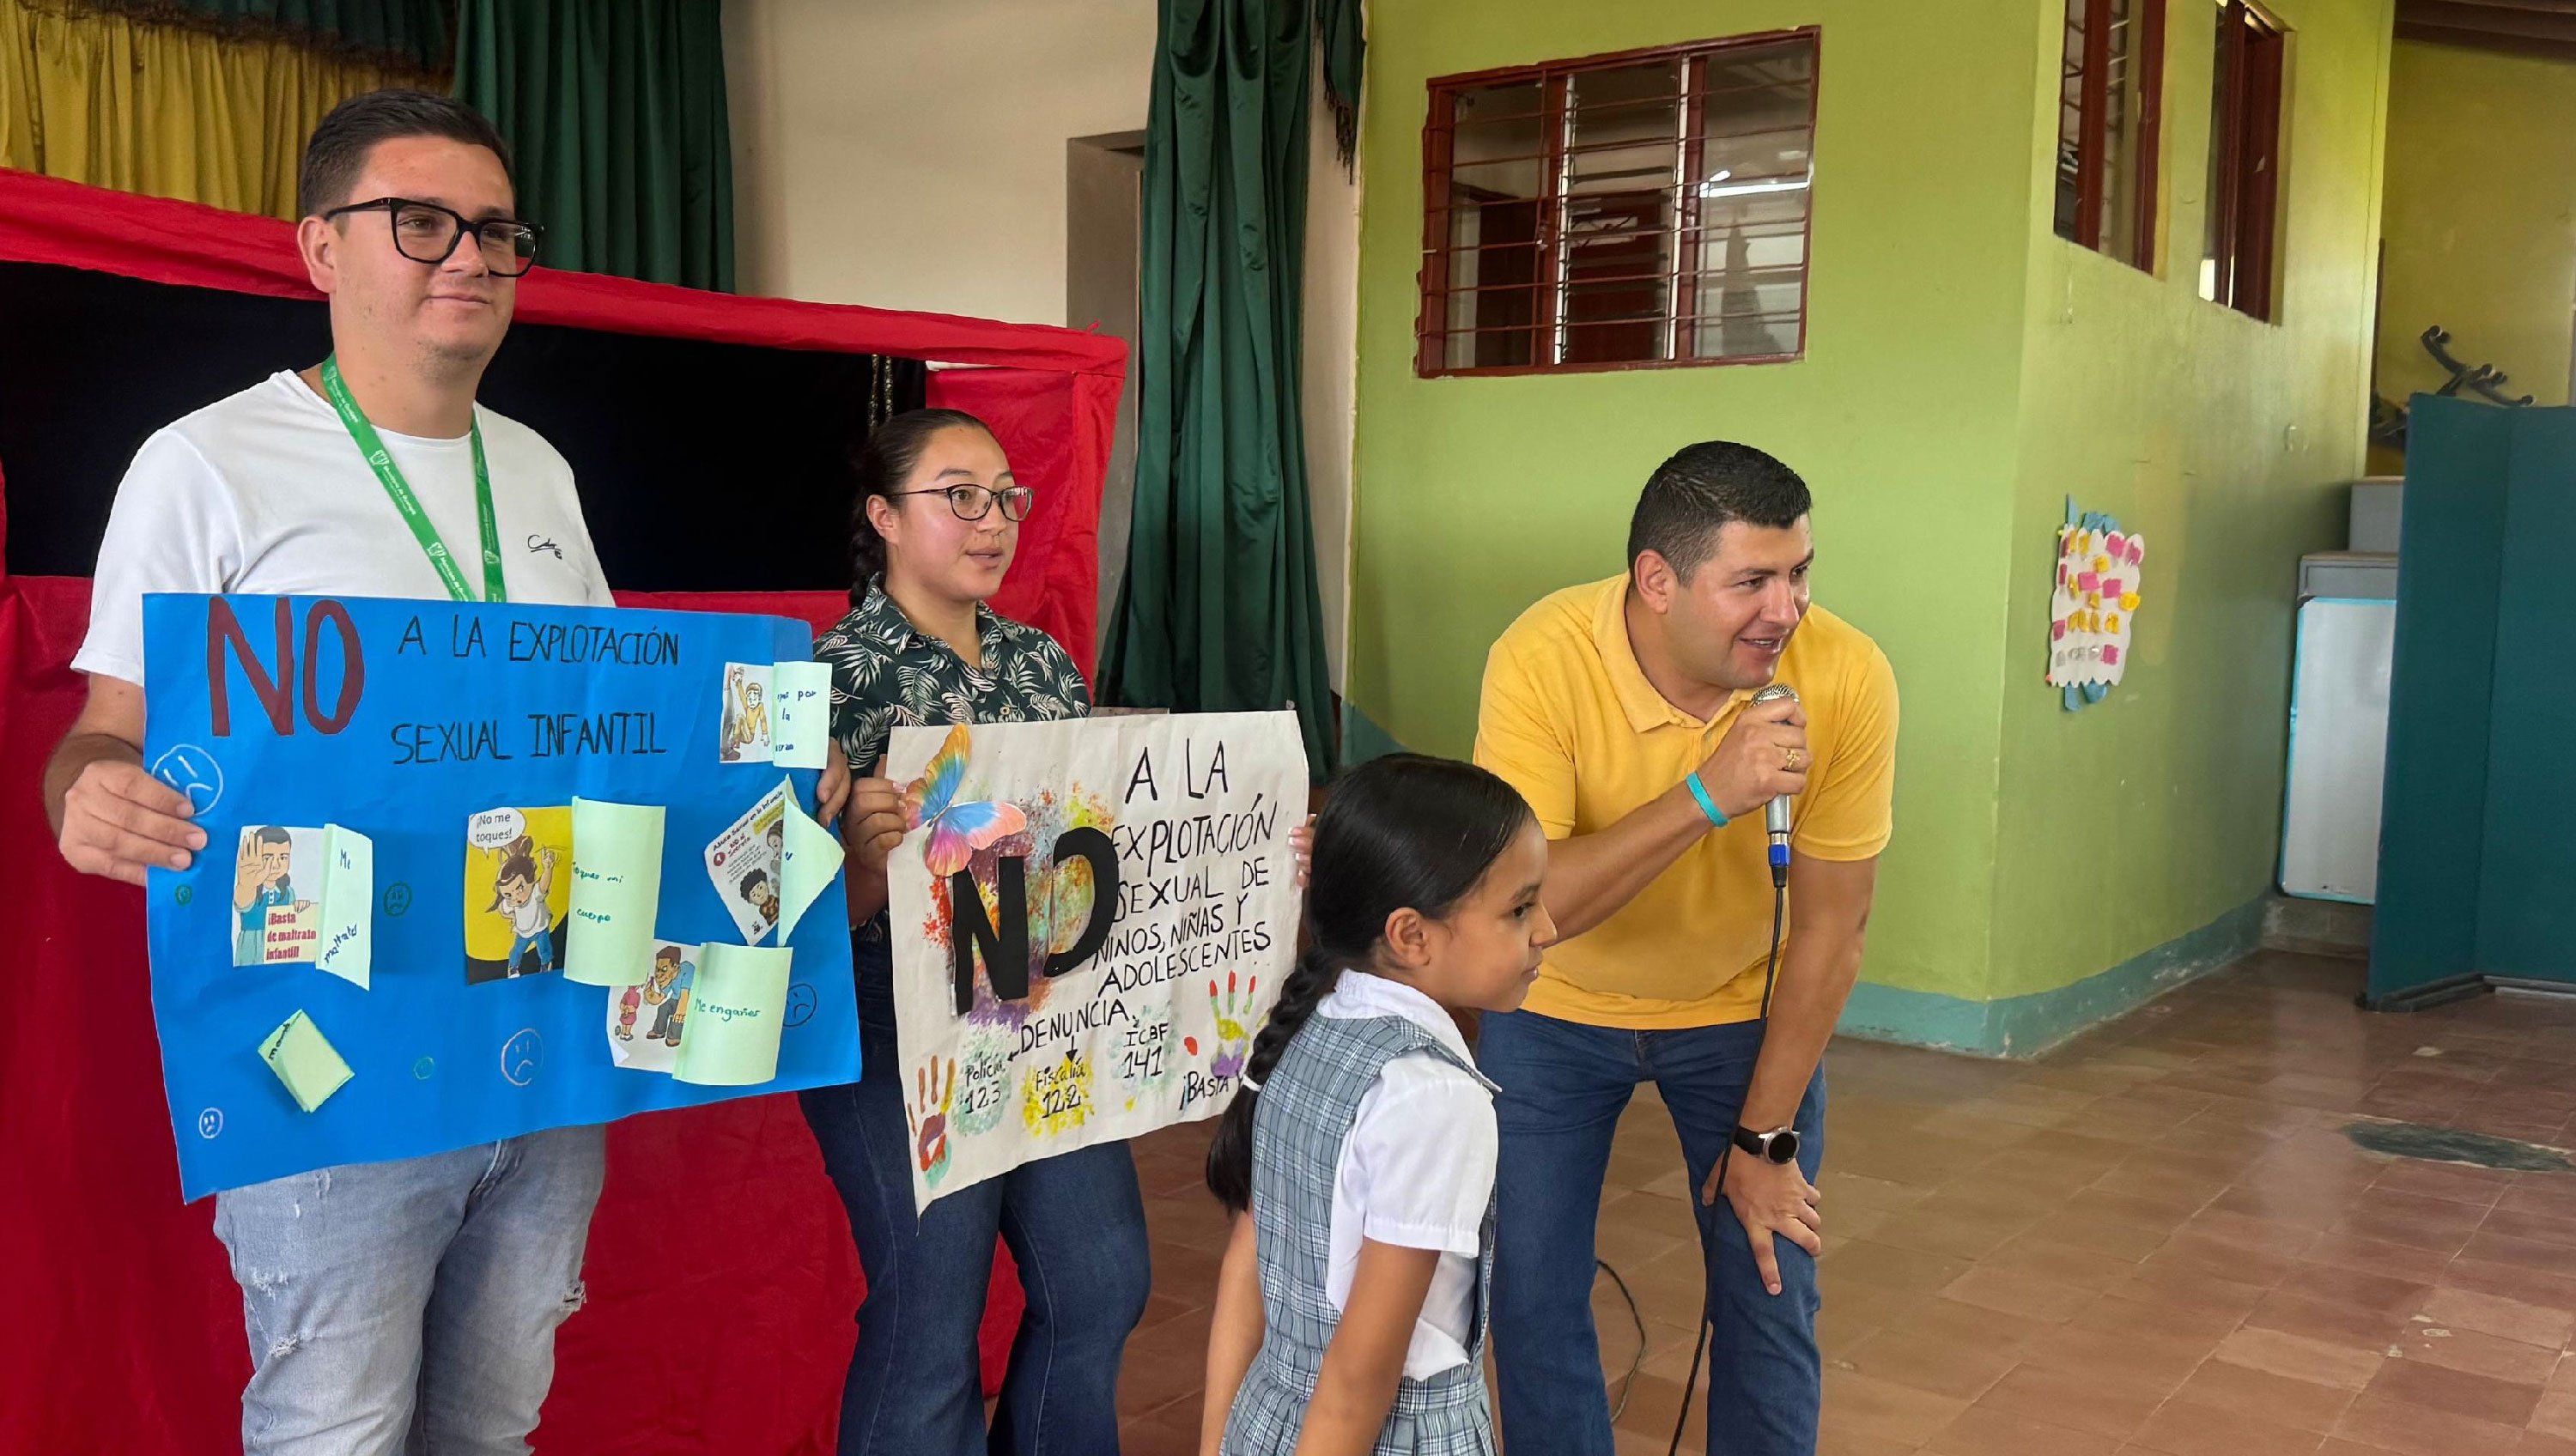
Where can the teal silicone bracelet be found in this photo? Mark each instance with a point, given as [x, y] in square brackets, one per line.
[1707, 805]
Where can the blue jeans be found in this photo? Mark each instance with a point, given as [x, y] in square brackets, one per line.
[410, 1305]
[543, 943]
[1074, 1222]
[1563, 1088]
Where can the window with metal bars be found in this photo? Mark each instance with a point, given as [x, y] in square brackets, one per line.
[2109, 106]
[2237, 265]
[1641, 209]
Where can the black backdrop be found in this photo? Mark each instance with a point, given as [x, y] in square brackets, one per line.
[701, 466]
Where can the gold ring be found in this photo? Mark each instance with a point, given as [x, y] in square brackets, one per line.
[1790, 759]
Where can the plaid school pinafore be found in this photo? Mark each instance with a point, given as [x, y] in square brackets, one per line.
[1299, 1126]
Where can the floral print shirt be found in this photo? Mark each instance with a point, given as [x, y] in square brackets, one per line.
[887, 674]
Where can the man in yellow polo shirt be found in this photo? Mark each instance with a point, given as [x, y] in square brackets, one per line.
[1623, 711]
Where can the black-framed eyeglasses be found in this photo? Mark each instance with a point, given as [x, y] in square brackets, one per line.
[427, 233]
[975, 502]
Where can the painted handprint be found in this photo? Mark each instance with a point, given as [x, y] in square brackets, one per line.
[928, 1114]
[1233, 1038]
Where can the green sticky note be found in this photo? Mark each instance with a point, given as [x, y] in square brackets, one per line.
[304, 1061]
[800, 726]
[348, 942]
[736, 1008]
[811, 857]
[616, 887]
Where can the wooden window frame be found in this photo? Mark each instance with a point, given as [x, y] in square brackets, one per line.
[1431, 326]
[2246, 205]
[2147, 64]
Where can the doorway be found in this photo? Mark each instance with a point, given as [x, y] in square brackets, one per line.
[1104, 181]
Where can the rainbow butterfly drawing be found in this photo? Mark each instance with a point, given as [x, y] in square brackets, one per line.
[956, 830]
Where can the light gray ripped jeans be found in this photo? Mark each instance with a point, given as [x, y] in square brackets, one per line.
[410, 1306]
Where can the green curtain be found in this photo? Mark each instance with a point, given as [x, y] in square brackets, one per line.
[616, 109]
[412, 33]
[1219, 609]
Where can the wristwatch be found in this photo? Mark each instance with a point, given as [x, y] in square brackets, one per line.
[1777, 1146]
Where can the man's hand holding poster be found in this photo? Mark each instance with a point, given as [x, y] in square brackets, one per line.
[1090, 918]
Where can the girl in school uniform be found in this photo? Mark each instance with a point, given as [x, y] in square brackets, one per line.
[1358, 1157]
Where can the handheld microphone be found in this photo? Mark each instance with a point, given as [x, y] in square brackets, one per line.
[1775, 815]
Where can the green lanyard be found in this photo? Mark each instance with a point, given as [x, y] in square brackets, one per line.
[399, 490]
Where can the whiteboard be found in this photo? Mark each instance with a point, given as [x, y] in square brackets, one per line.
[2338, 747]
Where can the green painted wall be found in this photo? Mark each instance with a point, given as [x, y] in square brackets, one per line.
[2227, 441]
[1941, 412]
[1475, 497]
[2481, 222]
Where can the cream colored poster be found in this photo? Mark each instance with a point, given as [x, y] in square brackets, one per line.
[1089, 920]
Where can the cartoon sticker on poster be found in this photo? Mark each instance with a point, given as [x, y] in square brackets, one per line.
[518, 891]
[1089, 917]
[2094, 606]
[743, 735]
[646, 1020]
[745, 862]
[304, 897]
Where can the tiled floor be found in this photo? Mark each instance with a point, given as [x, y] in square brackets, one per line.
[2156, 1240]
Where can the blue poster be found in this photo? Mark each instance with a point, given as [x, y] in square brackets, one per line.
[475, 870]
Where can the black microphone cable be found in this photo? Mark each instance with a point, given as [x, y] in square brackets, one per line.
[1707, 1326]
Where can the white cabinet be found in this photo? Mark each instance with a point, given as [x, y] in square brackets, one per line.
[2338, 745]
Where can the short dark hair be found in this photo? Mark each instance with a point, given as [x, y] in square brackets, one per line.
[337, 151]
[1704, 487]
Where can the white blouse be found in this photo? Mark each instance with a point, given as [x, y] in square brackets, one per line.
[1417, 1170]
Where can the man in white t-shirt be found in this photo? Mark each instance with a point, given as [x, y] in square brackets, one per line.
[420, 1295]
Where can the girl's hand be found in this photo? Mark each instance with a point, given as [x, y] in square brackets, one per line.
[1301, 841]
[833, 790]
[876, 819]
[1365, 1360]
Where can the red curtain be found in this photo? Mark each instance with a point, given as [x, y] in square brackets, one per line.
[122, 1329]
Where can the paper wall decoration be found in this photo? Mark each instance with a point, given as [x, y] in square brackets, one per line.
[463, 744]
[1090, 920]
[2093, 606]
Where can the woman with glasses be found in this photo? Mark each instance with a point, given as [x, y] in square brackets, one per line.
[937, 518]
